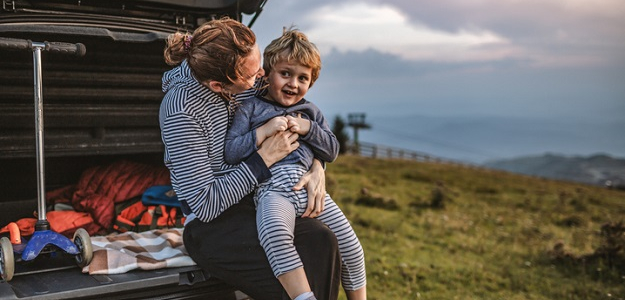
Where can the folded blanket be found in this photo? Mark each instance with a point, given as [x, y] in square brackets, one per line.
[149, 250]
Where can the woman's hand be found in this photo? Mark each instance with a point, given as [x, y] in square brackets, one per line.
[315, 182]
[278, 146]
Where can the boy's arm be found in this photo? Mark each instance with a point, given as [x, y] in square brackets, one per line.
[240, 140]
[320, 137]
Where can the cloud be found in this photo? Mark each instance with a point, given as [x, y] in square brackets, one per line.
[538, 33]
[359, 26]
[554, 60]
[541, 33]
[549, 32]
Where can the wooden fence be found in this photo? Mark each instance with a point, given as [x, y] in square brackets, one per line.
[379, 151]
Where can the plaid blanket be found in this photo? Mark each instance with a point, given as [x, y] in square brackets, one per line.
[149, 250]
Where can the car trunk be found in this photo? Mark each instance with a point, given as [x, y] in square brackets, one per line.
[98, 109]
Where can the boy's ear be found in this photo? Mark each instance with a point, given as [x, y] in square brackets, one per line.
[215, 86]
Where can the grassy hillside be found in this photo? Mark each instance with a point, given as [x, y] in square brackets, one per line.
[440, 231]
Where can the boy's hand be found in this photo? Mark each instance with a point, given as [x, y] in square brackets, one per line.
[273, 126]
[298, 124]
[293, 125]
[276, 125]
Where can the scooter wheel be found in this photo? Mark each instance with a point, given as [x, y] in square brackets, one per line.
[7, 261]
[82, 240]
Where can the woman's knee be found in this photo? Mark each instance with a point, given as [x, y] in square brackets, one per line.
[312, 233]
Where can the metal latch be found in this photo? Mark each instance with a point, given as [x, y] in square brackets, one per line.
[8, 5]
[181, 20]
[191, 277]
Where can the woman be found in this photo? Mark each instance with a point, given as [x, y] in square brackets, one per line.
[222, 59]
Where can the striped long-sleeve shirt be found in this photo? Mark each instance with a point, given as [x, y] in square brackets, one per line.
[193, 122]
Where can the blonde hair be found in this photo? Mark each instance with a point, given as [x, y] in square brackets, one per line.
[215, 51]
[293, 46]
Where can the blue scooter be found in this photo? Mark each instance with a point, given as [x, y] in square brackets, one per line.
[43, 239]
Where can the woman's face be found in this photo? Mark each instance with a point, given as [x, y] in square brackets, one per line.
[251, 70]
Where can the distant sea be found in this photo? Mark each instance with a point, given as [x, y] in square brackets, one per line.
[481, 139]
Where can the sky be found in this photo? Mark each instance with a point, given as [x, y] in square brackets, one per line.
[468, 79]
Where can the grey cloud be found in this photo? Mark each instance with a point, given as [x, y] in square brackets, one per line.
[533, 24]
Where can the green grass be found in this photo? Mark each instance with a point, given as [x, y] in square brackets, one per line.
[442, 231]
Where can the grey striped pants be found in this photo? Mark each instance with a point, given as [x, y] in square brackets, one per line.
[277, 206]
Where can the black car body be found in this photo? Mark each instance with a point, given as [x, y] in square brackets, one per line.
[99, 108]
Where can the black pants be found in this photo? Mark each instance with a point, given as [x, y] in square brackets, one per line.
[228, 248]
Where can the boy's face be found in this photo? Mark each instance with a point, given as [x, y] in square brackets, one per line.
[288, 82]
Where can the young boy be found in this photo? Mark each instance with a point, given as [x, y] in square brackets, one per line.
[292, 65]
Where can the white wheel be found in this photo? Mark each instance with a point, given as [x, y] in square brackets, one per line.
[7, 261]
[82, 240]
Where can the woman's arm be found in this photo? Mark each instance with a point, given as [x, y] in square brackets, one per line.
[191, 163]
